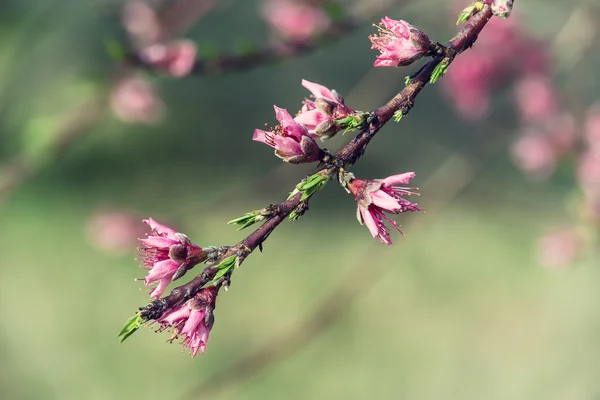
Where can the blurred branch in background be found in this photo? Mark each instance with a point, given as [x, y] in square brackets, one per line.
[447, 182]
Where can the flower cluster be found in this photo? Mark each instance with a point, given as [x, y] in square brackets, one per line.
[167, 255]
[291, 140]
[319, 115]
[374, 197]
[191, 321]
[399, 42]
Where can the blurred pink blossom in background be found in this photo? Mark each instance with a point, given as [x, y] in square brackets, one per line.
[114, 232]
[134, 100]
[297, 21]
[559, 247]
[533, 153]
[176, 58]
[535, 98]
[141, 22]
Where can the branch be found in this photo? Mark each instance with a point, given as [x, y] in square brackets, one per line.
[403, 102]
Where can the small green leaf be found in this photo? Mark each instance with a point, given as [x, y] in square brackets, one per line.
[224, 267]
[130, 327]
[351, 122]
[439, 71]
[398, 116]
[311, 185]
[407, 80]
[293, 216]
[247, 219]
[469, 11]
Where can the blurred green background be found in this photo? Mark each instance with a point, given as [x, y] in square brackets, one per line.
[459, 308]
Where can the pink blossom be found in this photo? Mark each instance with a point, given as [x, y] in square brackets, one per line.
[134, 100]
[192, 321]
[533, 153]
[176, 58]
[291, 140]
[536, 98]
[141, 21]
[167, 255]
[114, 232]
[468, 83]
[319, 116]
[294, 20]
[373, 197]
[399, 42]
[560, 247]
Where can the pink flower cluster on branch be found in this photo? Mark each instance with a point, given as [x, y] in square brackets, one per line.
[291, 140]
[399, 42]
[167, 255]
[187, 310]
[375, 197]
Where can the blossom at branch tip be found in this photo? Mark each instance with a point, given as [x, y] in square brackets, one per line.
[167, 255]
[176, 58]
[502, 8]
[192, 321]
[399, 42]
[374, 197]
[319, 116]
[291, 140]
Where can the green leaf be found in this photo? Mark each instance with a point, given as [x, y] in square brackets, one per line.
[247, 219]
[311, 185]
[469, 11]
[130, 327]
[351, 122]
[407, 80]
[398, 116]
[224, 267]
[439, 71]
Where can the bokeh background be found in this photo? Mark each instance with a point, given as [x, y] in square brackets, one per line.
[468, 305]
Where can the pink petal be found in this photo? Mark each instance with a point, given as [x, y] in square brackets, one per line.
[383, 200]
[283, 116]
[318, 90]
[261, 136]
[398, 179]
[196, 318]
[203, 333]
[160, 288]
[158, 241]
[161, 229]
[369, 221]
[178, 314]
[161, 269]
[287, 146]
[310, 118]
[381, 62]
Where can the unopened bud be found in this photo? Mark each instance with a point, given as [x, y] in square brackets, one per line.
[310, 148]
[326, 129]
[502, 8]
[178, 253]
[325, 106]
